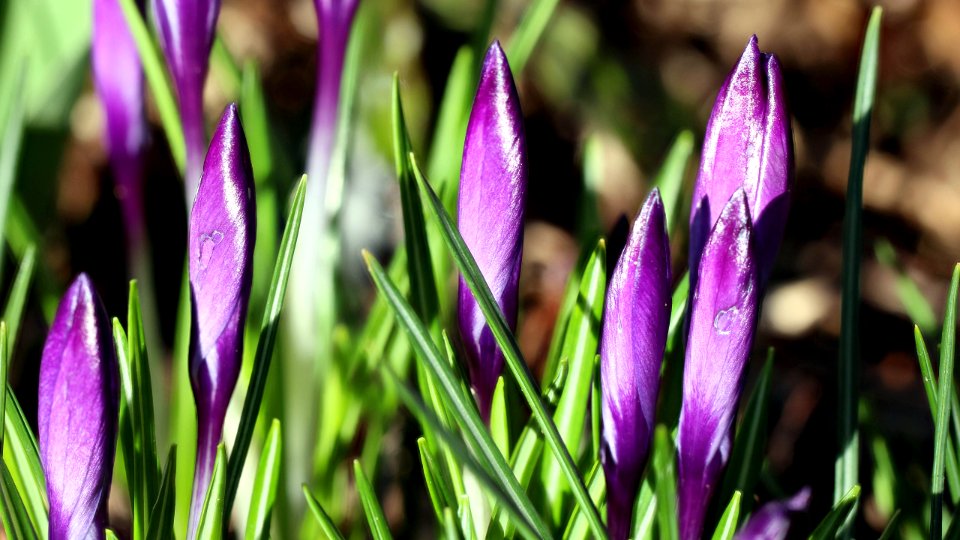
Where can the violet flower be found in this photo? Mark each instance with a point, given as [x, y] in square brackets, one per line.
[636, 318]
[749, 145]
[222, 234]
[493, 187]
[78, 404]
[722, 323]
[186, 31]
[118, 78]
[772, 521]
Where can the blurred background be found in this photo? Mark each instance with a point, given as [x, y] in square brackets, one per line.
[630, 76]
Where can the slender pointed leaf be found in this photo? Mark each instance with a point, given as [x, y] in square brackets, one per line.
[529, 32]
[664, 467]
[371, 506]
[22, 460]
[162, 511]
[670, 177]
[944, 391]
[930, 388]
[265, 485]
[727, 527]
[842, 511]
[326, 524]
[578, 526]
[211, 524]
[13, 312]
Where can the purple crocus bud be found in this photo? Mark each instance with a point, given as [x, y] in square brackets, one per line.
[636, 318]
[118, 78]
[749, 145]
[493, 187]
[186, 31]
[77, 413]
[722, 323]
[222, 233]
[772, 521]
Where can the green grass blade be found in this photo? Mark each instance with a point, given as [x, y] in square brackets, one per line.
[264, 354]
[211, 524]
[588, 211]
[847, 462]
[842, 512]
[930, 388]
[371, 506]
[13, 312]
[511, 351]
[727, 527]
[578, 526]
[446, 150]
[460, 405]
[154, 69]
[528, 33]
[749, 447]
[183, 418]
[670, 177]
[664, 470]
[127, 433]
[162, 510]
[10, 148]
[4, 362]
[450, 530]
[436, 488]
[256, 123]
[22, 459]
[265, 485]
[326, 524]
[671, 385]
[918, 308]
[499, 417]
[892, 529]
[944, 391]
[148, 465]
[645, 511]
[13, 513]
[570, 294]
[580, 349]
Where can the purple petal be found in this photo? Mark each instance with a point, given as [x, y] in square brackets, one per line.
[493, 187]
[118, 78]
[772, 521]
[749, 145]
[77, 414]
[222, 234]
[636, 318]
[186, 30]
[722, 323]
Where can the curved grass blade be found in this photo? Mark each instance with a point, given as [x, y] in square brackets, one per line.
[326, 524]
[665, 478]
[841, 513]
[210, 526]
[22, 461]
[918, 308]
[264, 354]
[371, 506]
[511, 351]
[669, 178]
[930, 388]
[436, 488]
[155, 72]
[13, 312]
[162, 512]
[727, 527]
[13, 513]
[846, 467]
[944, 392]
[265, 485]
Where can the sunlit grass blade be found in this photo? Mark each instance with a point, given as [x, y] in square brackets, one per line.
[499, 418]
[588, 209]
[162, 511]
[884, 477]
[570, 294]
[460, 405]
[446, 150]
[13, 312]
[749, 447]
[155, 71]
[665, 483]
[847, 463]
[930, 388]
[264, 354]
[265, 485]
[371, 506]
[126, 435]
[645, 511]
[670, 178]
[918, 308]
[578, 526]
[183, 417]
[841, 512]
[4, 362]
[10, 147]
[22, 234]
[727, 527]
[529, 32]
[326, 524]
[211, 524]
[944, 392]
[511, 351]
[13, 513]
[256, 124]
[449, 520]
[436, 488]
[580, 343]
[22, 460]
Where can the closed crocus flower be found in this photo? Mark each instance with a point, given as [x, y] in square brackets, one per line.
[772, 521]
[186, 31]
[636, 318]
[222, 232]
[118, 78]
[748, 145]
[722, 322]
[493, 187]
[77, 414]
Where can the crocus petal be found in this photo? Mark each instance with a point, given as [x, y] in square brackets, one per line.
[636, 318]
[222, 234]
[749, 145]
[186, 30]
[118, 78]
[493, 187]
[722, 323]
[77, 413]
[772, 521]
